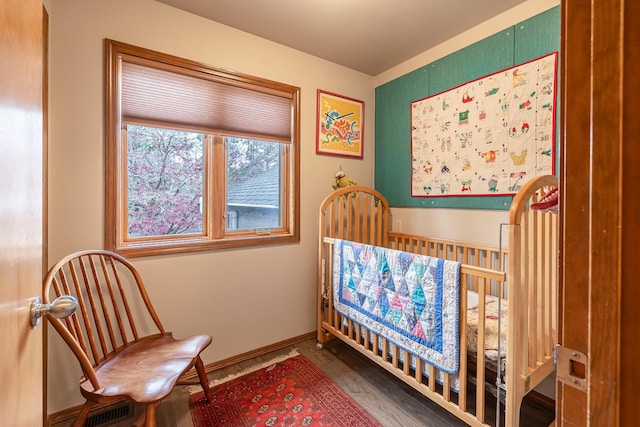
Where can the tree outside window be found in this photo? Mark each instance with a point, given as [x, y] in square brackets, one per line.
[165, 182]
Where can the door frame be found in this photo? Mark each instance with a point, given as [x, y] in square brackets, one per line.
[599, 228]
[45, 195]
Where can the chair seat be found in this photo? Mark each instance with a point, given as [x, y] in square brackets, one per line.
[145, 371]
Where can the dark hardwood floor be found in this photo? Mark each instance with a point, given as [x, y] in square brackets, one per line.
[404, 406]
[392, 402]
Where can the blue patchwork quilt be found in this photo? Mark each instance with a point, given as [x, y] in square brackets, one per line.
[410, 299]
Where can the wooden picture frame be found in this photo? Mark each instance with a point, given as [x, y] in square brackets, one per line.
[339, 125]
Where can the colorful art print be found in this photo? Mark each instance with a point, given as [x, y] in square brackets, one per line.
[340, 125]
[488, 136]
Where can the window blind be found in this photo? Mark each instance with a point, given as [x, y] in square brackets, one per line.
[154, 91]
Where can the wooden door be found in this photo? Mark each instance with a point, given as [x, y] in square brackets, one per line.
[21, 219]
[601, 150]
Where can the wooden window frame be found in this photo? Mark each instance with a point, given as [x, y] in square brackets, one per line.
[215, 234]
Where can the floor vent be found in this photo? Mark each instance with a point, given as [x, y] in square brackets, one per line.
[110, 415]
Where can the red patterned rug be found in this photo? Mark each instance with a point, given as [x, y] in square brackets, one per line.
[291, 392]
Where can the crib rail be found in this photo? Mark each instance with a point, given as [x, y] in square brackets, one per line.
[469, 401]
[356, 213]
[479, 255]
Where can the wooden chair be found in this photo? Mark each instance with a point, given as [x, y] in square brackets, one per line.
[116, 335]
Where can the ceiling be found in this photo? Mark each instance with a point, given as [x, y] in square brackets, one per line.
[370, 36]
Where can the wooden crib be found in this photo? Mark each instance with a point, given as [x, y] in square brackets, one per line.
[523, 276]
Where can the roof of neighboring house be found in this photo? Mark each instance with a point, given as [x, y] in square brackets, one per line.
[262, 190]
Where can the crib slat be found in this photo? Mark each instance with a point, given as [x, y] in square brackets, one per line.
[395, 356]
[446, 387]
[432, 378]
[462, 371]
[406, 366]
[539, 290]
[533, 267]
[376, 344]
[545, 278]
[553, 286]
[517, 298]
[418, 370]
[480, 357]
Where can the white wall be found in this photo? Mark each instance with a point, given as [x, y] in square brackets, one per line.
[245, 299]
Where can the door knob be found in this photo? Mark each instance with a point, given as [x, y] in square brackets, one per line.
[61, 307]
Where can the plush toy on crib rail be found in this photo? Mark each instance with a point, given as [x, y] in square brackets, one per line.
[342, 180]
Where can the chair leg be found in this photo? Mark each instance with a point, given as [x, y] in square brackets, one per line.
[204, 381]
[140, 419]
[150, 417]
[84, 412]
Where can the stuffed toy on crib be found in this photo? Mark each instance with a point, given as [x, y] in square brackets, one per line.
[342, 180]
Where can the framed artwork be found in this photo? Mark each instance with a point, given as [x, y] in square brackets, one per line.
[486, 137]
[339, 125]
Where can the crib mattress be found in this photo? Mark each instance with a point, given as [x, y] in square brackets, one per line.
[495, 313]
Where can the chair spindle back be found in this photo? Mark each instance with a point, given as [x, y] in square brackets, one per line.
[113, 305]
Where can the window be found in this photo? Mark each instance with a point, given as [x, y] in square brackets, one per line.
[197, 158]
